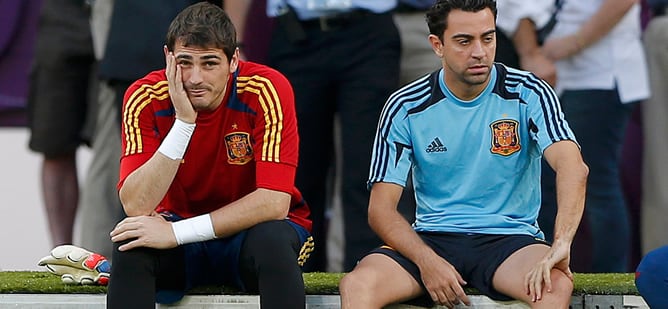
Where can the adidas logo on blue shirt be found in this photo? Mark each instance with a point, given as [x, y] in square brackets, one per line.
[436, 146]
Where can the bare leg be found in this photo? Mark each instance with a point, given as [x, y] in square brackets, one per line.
[375, 282]
[60, 189]
[509, 279]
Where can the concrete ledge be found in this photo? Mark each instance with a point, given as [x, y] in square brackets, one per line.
[97, 301]
[40, 290]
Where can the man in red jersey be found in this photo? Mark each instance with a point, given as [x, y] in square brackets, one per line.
[209, 152]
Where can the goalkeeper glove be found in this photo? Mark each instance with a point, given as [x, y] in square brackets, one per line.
[76, 265]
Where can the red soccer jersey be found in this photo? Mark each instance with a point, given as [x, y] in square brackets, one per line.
[250, 141]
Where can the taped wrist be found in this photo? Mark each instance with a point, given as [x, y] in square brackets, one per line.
[175, 143]
[195, 229]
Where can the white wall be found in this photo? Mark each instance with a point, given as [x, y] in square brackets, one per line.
[24, 237]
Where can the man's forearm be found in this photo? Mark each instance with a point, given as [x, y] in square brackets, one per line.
[238, 12]
[150, 182]
[600, 24]
[524, 39]
[571, 186]
[144, 188]
[395, 231]
[256, 207]
[391, 226]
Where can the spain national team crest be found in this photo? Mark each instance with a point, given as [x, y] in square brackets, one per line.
[239, 150]
[505, 140]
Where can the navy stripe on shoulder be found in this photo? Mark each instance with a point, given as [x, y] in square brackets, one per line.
[500, 85]
[234, 102]
[435, 96]
[411, 93]
[548, 100]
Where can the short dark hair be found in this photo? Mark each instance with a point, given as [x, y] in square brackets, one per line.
[203, 25]
[437, 15]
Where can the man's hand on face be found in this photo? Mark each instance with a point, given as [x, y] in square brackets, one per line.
[183, 107]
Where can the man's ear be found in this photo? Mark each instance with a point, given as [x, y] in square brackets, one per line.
[234, 62]
[436, 45]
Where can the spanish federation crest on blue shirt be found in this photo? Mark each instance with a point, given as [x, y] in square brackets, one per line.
[505, 140]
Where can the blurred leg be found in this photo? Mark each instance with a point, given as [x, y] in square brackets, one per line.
[100, 208]
[362, 96]
[60, 189]
[312, 83]
[599, 120]
[654, 212]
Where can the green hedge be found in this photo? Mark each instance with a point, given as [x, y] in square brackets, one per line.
[38, 282]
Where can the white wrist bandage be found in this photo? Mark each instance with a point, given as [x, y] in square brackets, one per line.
[175, 143]
[193, 229]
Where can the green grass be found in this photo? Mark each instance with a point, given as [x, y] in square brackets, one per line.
[36, 282]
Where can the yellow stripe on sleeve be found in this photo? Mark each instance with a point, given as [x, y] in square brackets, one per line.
[136, 103]
[273, 113]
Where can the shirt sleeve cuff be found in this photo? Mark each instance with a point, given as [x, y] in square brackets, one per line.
[275, 176]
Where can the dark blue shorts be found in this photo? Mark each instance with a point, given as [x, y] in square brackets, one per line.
[215, 262]
[475, 256]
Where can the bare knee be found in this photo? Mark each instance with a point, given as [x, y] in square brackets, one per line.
[364, 288]
[377, 281]
[561, 283]
[562, 290]
[355, 285]
[354, 291]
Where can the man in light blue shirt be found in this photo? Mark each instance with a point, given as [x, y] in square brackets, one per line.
[421, 130]
[473, 135]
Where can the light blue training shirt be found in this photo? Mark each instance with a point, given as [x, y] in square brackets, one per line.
[475, 164]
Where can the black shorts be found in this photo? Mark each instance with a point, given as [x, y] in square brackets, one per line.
[62, 80]
[475, 256]
[58, 109]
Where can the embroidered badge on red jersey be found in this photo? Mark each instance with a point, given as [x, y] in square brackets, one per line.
[239, 150]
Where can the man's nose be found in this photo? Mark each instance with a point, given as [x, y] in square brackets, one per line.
[195, 75]
[478, 50]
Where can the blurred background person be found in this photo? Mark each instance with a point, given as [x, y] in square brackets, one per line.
[654, 209]
[417, 56]
[521, 25]
[61, 90]
[342, 59]
[250, 19]
[601, 73]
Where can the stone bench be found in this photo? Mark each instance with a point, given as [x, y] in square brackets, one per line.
[37, 290]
